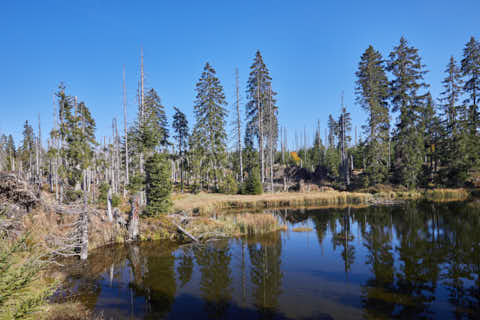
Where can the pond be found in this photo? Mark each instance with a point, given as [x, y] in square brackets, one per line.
[415, 260]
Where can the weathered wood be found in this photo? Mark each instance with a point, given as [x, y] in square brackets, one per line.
[185, 232]
[133, 223]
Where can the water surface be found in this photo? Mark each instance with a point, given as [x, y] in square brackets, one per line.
[417, 260]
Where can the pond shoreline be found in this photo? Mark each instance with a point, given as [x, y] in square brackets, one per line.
[208, 216]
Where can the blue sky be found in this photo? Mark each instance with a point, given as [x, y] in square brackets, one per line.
[312, 49]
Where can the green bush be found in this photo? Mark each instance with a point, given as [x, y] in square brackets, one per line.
[116, 200]
[72, 195]
[158, 185]
[252, 185]
[22, 289]
[229, 185]
[103, 195]
[196, 188]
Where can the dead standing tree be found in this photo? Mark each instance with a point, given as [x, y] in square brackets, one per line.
[133, 223]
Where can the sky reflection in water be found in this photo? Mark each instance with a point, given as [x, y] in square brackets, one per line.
[418, 260]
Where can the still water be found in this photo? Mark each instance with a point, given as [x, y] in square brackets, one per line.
[416, 260]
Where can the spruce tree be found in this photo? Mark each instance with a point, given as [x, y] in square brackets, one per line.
[344, 127]
[372, 96]
[431, 124]
[471, 72]
[151, 126]
[180, 126]
[405, 94]
[209, 133]
[453, 144]
[158, 184]
[28, 149]
[261, 109]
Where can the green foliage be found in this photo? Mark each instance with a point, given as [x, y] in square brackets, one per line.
[332, 163]
[22, 291]
[158, 184]
[209, 135]
[137, 183]
[252, 185]
[180, 125]
[261, 98]
[103, 196]
[408, 71]
[372, 95]
[229, 185]
[72, 195]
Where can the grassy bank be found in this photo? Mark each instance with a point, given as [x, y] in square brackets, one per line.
[208, 202]
[438, 195]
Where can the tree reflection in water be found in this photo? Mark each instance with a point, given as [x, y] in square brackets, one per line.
[417, 260]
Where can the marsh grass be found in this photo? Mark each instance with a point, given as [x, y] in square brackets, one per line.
[206, 203]
[234, 225]
[447, 194]
[302, 229]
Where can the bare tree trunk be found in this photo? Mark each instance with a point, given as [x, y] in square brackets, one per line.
[127, 180]
[109, 205]
[133, 222]
[142, 193]
[239, 124]
[270, 135]
[84, 228]
[260, 132]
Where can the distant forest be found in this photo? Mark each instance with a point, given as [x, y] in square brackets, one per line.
[431, 141]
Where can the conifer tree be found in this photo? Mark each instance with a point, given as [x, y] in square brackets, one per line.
[158, 184]
[151, 127]
[28, 149]
[318, 151]
[344, 127]
[471, 72]
[209, 133]
[408, 71]
[453, 146]
[432, 129]
[372, 96]
[180, 126]
[261, 109]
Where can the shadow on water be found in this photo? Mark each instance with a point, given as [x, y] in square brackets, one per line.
[417, 260]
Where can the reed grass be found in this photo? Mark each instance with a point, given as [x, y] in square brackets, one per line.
[447, 194]
[207, 203]
[302, 229]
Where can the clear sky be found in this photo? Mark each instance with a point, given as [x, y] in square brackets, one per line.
[312, 49]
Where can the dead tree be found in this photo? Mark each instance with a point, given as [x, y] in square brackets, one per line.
[127, 180]
[109, 205]
[133, 223]
[84, 229]
[238, 123]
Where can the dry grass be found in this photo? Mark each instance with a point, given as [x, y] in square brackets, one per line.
[233, 225]
[447, 194]
[302, 229]
[208, 202]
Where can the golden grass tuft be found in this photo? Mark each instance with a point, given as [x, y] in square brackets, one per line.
[447, 194]
[207, 202]
[302, 229]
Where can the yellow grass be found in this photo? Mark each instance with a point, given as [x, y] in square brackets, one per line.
[208, 202]
[302, 229]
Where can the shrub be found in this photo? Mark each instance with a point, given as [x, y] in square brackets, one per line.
[22, 289]
[229, 185]
[253, 185]
[158, 184]
[72, 195]
[196, 188]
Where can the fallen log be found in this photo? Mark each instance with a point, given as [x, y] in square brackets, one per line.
[185, 232]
